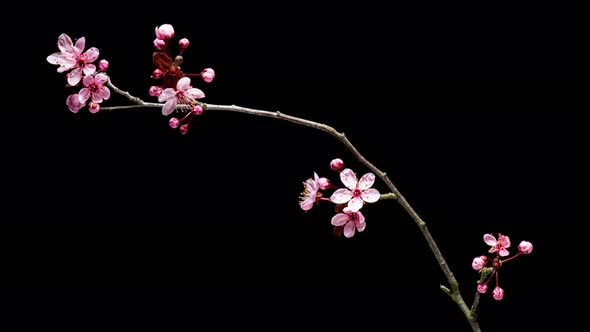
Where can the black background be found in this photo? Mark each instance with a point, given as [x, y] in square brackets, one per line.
[477, 115]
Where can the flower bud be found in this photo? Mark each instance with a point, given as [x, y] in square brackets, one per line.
[183, 129]
[183, 44]
[93, 107]
[159, 44]
[198, 110]
[155, 91]
[525, 247]
[103, 65]
[157, 73]
[208, 74]
[324, 183]
[482, 288]
[75, 103]
[337, 165]
[174, 122]
[498, 293]
[165, 32]
[479, 262]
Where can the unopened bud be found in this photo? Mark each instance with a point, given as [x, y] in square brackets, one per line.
[183, 44]
[103, 65]
[208, 75]
[324, 183]
[337, 165]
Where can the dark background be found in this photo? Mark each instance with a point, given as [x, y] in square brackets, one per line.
[477, 115]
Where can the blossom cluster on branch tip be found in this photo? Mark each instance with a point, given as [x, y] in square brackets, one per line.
[71, 57]
[175, 88]
[349, 201]
[499, 247]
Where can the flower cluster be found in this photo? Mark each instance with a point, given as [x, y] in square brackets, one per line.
[499, 247]
[175, 89]
[72, 58]
[349, 200]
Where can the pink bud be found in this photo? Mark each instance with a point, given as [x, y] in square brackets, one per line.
[198, 110]
[337, 165]
[183, 44]
[525, 247]
[155, 91]
[157, 73]
[174, 122]
[183, 129]
[208, 74]
[479, 262]
[165, 32]
[482, 288]
[93, 107]
[75, 102]
[159, 44]
[324, 183]
[103, 65]
[498, 293]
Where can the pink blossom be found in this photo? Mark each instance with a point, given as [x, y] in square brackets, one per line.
[183, 129]
[479, 262]
[337, 164]
[93, 107]
[183, 44]
[208, 74]
[184, 94]
[165, 32]
[174, 122]
[159, 44]
[71, 57]
[198, 110]
[95, 88]
[499, 245]
[351, 220]
[155, 91]
[482, 288]
[324, 183]
[525, 247]
[310, 193]
[103, 65]
[498, 293]
[157, 73]
[75, 102]
[359, 193]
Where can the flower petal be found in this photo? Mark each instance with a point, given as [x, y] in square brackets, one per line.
[360, 216]
[489, 239]
[74, 76]
[504, 252]
[306, 204]
[169, 106]
[167, 94]
[348, 177]
[183, 83]
[89, 69]
[349, 230]
[64, 43]
[340, 219]
[355, 204]
[91, 55]
[371, 195]
[88, 81]
[195, 93]
[506, 241]
[100, 78]
[341, 196]
[80, 44]
[360, 225]
[104, 93]
[84, 94]
[366, 181]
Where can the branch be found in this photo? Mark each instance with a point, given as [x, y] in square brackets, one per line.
[453, 292]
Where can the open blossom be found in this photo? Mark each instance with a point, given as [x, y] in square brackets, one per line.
[75, 102]
[184, 94]
[95, 88]
[499, 245]
[72, 57]
[310, 192]
[350, 220]
[359, 193]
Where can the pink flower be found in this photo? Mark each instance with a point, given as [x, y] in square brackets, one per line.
[337, 165]
[208, 74]
[359, 192]
[75, 102]
[165, 32]
[310, 193]
[351, 220]
[498, 293]
[71, 57]
[525, 247]
[198, 110]
[159, 44]
[183, 129]
[95, 89]
[93, 107]
[499, 245]
[155, 91]
[482, 288]
[324, 183]
[174, 122]
[103, 65]
[183, 44]
[184, 94]
[157, 73]
[479, 262]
